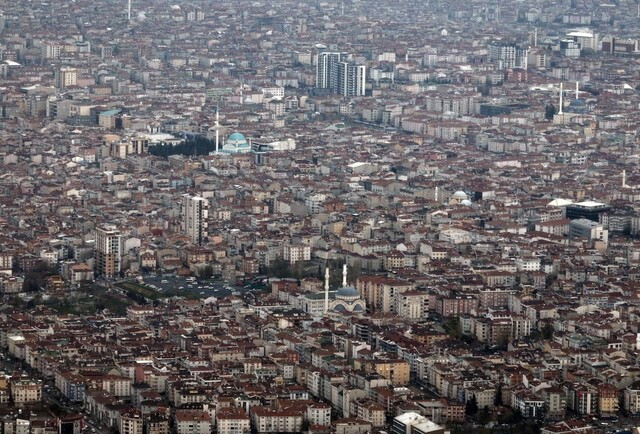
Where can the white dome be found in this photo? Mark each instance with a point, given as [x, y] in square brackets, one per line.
[460, 195]
[465, 202]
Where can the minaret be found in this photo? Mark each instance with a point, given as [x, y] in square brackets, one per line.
[129, 10]
[436, 199]
[326, 290]
[577, 89]
[217, 128]
[535, 37]
[561, 91]
[344, 275]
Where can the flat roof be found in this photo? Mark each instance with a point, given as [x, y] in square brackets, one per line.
[590, 204]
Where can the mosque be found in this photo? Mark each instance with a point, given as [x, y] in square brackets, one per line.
[459, 198]
[236, 143]
[345, 300]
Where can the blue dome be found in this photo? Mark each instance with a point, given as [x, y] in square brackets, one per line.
[347, 292]
[236, 144]
[237, 138]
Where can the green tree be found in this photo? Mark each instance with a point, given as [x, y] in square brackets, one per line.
[498, 400]
[279, 268]
[549, 111]
[471, 406]
[192, 145]
[452, 327]
[484, 417]
[36, 278]
[206, 273]
[503, 340]
[547, 330]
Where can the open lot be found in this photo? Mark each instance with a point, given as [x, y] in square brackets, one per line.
[158, 287]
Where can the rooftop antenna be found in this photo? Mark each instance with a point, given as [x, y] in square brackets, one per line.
[561, 91]
[326, 290]
[129, 10]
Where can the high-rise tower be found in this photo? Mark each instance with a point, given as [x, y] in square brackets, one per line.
[351, 79]
[194, 214]
[327, 69]
[108, 249]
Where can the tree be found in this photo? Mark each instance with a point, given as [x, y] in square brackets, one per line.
[55, 408]
[452, 327]
[547, 330]
[353, 273]
[484, 417]
[471, 406]
[498, 400]
[279, 268]
[206, 273]
[503, 340]
[36, 278]
[192, 145]
[549, 111]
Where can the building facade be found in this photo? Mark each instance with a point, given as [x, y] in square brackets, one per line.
[194, 216]
[108, 250]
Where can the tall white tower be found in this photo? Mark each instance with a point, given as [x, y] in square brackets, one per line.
[344, 275]
[326, 290]
[129, 10]
[561, 92]
[217, 128]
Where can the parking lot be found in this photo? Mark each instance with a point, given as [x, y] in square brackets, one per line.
[208, 288]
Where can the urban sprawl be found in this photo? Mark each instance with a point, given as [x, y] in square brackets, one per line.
[350, 217]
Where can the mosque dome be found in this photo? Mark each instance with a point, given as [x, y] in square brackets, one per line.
[236, 143]
[578, 106]
[237, 138]
[347, 292]
[460, 195]
[465, 202]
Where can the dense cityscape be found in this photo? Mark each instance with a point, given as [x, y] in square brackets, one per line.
[318, 217]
